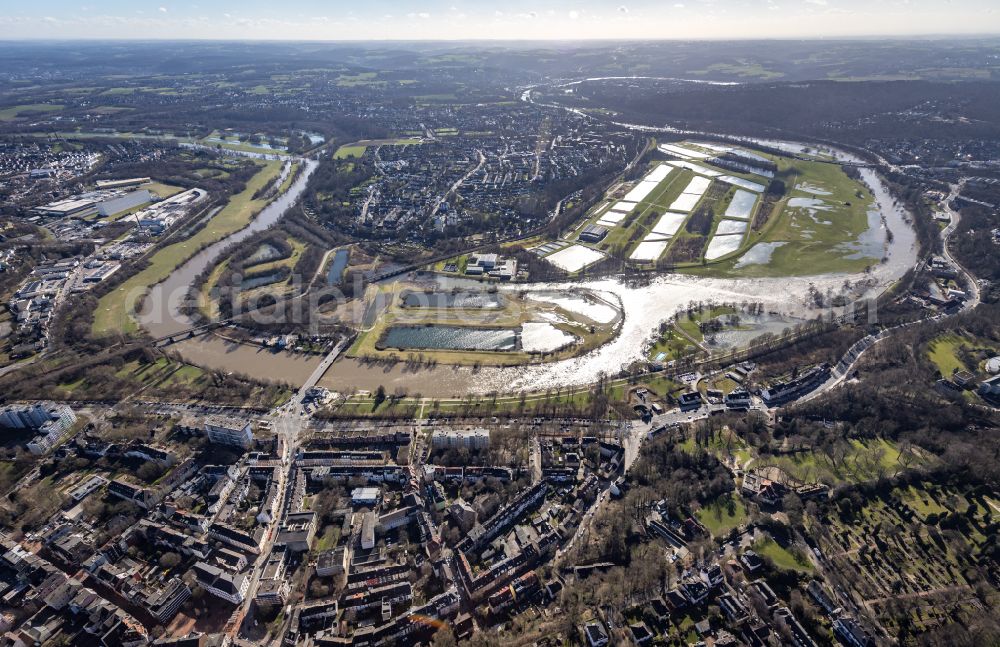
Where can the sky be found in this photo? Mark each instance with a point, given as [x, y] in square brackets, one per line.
[493, 19]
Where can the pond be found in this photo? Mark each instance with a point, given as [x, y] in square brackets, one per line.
[264, 279]
[742, 205]
[450, 338]
[337, 267]
[477, 299]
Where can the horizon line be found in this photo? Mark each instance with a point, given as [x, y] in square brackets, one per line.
[842, 37]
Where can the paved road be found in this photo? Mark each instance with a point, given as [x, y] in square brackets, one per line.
[288, 421]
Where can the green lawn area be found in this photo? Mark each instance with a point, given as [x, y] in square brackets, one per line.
[943, 351]
[162, 190]
[361, 78]
[114, 311]
[723, 514]
[13, 112]
[691, 324]
[921, 501]
[782, 557]
[723, 444]
[673, 344]
[163, 373]
[814, 229]
[163, 377]
[347, 151]
[742, 70]
[864, 461]
[244, 147]
[328, 540]
[287, 182]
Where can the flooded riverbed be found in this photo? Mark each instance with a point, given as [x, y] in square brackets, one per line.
[644, 308]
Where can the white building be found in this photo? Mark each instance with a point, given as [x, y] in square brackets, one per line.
[26, 417]
[453, 438]
[368, 496]
[55, 423]
[229, 431]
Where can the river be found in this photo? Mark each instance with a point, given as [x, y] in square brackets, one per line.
[162, 316]
[644, 308]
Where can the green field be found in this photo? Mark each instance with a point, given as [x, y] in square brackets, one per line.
[361, 78]
[13, 112]
[347, 151]
[863, 461]
[162, 190]
[742, 69]
[943, 351]
[114, 311]
[723, 514]
[814, 229]
[782, 557]
[673, 344]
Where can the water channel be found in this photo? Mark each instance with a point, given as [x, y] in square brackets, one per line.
[644, 308]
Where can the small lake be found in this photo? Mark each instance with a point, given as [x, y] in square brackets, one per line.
[264, 279]
[471, 300]
[450, 338]
[337, 267]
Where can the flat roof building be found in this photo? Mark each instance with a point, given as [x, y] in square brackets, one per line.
[229, 431]
[367, 496]
[593, 233]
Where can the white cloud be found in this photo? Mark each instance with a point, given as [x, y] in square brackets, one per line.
[821, 3]
[163, 10]
[623, 9]
[679, 5]
[573, 15]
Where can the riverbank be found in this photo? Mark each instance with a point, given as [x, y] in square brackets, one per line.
[114, 312]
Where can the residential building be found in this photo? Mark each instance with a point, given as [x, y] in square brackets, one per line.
[368, 522]
[365, 496]
[229, 431]
[229, 586]
[297, 532]
[470, 439]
